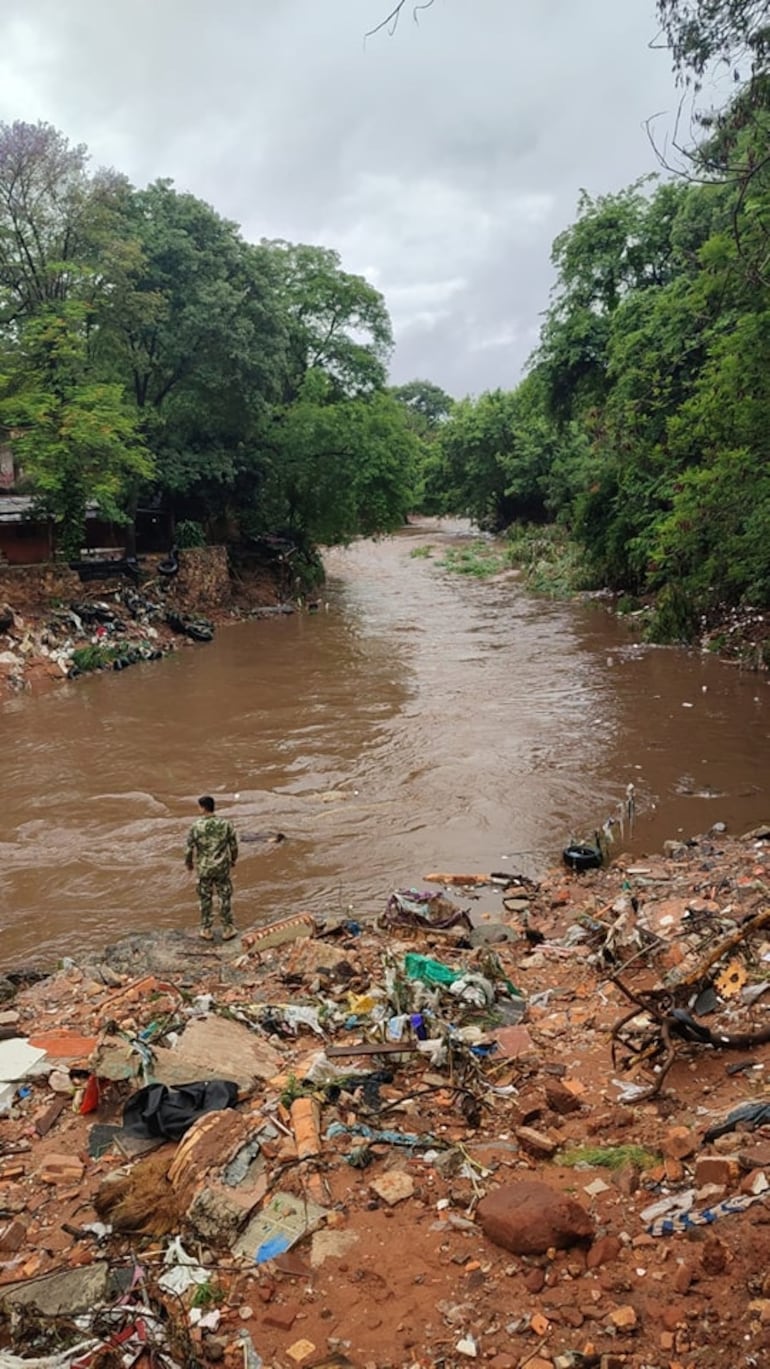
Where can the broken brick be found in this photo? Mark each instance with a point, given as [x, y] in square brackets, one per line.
[281, 1315]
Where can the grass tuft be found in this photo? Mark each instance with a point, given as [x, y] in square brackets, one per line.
[607, 1157]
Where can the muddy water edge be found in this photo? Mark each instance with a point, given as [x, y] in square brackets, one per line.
[418, 721]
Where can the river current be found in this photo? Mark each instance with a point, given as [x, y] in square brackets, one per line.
[418, 721]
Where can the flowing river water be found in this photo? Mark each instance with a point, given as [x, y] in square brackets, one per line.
[419, 721]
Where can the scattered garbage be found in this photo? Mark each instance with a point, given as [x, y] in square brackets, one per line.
[431, 912]
[158, 1110]
[266, 1158]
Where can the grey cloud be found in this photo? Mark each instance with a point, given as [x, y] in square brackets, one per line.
[441, 162]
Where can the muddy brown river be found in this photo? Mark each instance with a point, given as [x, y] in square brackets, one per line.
[420, 721]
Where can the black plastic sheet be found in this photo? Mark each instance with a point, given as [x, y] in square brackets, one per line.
[160, 1111]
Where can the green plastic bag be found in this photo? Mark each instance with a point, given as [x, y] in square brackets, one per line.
[429, 971]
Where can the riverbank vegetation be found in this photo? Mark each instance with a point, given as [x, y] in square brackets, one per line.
[640, 430]
[150, 355]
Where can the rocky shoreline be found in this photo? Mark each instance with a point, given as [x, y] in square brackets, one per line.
[432, 1156]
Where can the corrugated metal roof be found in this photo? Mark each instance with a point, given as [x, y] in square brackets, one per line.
[16, 508]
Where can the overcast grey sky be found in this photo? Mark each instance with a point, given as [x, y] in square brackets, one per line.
[440, 161]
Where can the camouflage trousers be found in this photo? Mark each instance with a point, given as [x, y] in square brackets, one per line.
[221, 885]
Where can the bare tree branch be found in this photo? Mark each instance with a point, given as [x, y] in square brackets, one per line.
[390, 22]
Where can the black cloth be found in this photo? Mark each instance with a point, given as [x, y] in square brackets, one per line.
[158, 1110]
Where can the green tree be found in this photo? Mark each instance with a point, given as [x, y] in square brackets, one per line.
[341, 467]
[700, 32]
[427, 405]
[55, 221]
[338, 323]
[78, 439]
[501, 453]
[195, 328]
[427, 408]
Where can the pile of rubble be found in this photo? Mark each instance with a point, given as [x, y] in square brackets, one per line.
[535, 1136]
[112, 632]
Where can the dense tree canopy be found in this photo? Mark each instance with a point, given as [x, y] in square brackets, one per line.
[148, 350]
[642, 425]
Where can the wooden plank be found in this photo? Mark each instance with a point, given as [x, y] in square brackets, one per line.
[371, 1048]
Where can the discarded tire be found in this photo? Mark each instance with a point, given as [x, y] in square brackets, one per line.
[198, 629]
[581, 857]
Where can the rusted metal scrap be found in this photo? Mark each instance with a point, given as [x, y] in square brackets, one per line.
[662, 1024]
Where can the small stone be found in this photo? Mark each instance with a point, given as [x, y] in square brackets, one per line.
[561, 1099]
[755, 1157]
[468, 1346]
[626, 1179]
[538, 1323]
[679, 1143]
[595, 1188]
[674, 1170]
[529, 1218]
[683, 1277]
[624, 1318]
[245, 1312]
[723, 1145]
[12, 1237]
[61, 1169]
[534, 1281]
[714, 1256]
[755, 1182]
[603, 1251]
[300, 1350]
[513, 1041]
[536, 1143]
[393, 1186]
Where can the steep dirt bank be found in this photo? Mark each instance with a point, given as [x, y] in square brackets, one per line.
[395, 1080]
[53, 627]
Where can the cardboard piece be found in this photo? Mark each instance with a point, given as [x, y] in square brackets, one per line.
[209, 1048]
[278, 1227]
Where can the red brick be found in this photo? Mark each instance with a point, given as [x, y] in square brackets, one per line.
[61, 1169]
[282, 1316]
[13, 1237]
[716, 1169]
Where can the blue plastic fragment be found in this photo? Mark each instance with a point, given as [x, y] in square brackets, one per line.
[275, 1245]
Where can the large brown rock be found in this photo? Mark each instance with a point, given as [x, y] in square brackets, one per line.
[530, 1218]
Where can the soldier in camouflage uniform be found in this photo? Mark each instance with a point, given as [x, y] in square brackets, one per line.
[212, 846]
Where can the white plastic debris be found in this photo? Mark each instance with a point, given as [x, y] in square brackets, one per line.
[300, 1016]
[468, 1346]
[674, 1204]
[18, 1058]
[183, 1269]
[207, 1321]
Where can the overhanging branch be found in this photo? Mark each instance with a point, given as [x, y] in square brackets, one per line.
[390, 22]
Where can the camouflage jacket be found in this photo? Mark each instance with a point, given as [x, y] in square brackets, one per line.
[212, 845]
